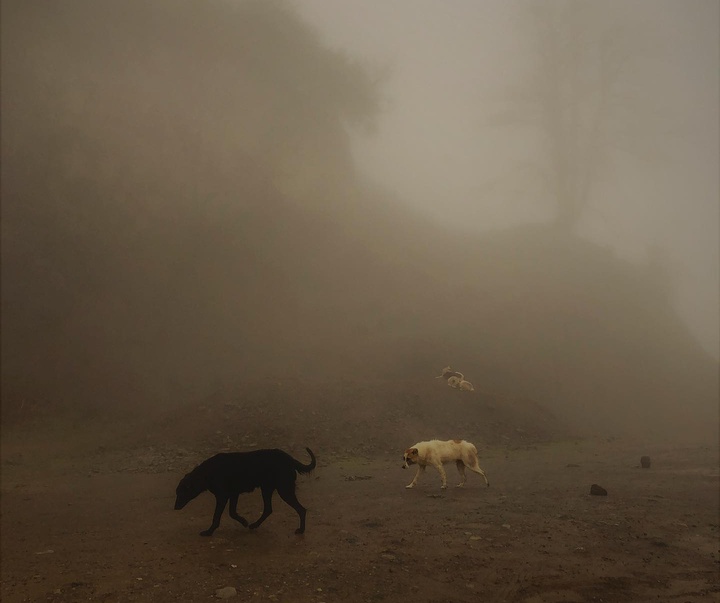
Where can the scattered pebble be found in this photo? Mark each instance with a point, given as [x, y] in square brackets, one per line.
[596, 490]
[225, 593]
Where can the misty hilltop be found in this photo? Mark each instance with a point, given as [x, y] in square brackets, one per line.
[181, 213]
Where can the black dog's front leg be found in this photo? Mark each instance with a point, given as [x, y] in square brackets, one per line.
[233, 511]
[220, 502]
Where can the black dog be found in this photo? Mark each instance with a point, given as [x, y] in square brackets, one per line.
[229, 474]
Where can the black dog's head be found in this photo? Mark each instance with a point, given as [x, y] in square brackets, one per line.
[189, 487]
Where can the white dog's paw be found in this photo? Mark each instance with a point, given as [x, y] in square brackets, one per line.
[460, 486]
[444, 487]
[410, 485]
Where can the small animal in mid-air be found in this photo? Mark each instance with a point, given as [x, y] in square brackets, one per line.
[456, 380]
[438, 452]
[229, 474]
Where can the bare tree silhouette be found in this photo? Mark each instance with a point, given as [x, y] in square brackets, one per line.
[581, 98]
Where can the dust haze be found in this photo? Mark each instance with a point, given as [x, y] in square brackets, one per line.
[240, 224]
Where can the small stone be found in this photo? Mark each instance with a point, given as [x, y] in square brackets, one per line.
[596, 490]
[225, 593]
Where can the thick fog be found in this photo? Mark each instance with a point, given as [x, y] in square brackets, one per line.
[459, 135]
[355, 229]
[199, 194]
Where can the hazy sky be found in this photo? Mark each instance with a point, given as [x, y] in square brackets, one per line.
[450, 64]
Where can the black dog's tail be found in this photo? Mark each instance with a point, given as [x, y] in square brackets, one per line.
[300, 468]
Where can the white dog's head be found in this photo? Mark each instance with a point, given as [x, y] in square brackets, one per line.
[410, 457]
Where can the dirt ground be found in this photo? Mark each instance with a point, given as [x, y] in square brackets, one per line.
[87, 508]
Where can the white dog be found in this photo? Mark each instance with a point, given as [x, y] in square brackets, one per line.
[437, 452]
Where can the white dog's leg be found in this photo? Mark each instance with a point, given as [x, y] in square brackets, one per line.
[443, 476]
[476, 469]
[461, 471]
[420, 469]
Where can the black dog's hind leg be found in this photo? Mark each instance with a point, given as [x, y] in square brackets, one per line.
[220, 503]
[287, 493]
[267, 492]
[233, 510]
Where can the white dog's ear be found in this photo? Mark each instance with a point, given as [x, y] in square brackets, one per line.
[413, 451]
